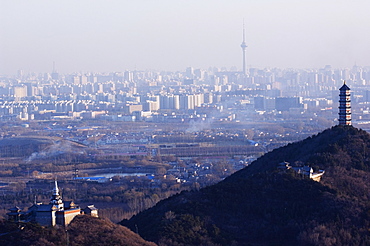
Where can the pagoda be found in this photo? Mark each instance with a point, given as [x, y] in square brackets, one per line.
[344, 105]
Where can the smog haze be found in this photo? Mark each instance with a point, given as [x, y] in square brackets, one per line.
[101, 36]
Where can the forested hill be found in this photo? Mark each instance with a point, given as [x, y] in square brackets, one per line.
[264, 205]
[83, 230]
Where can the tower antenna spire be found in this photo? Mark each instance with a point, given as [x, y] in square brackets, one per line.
[243, 31]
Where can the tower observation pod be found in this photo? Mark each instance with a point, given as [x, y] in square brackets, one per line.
[344, 105]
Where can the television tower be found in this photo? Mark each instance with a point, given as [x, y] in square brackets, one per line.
[244, 48]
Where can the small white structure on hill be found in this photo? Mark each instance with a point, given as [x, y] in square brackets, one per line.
[306, 171]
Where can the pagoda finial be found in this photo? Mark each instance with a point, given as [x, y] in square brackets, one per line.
[56, 189]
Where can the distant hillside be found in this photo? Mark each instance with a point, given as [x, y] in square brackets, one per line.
[263, 205]
[84, 230]
[36, 146]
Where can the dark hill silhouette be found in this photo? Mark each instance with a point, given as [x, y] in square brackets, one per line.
[262, 205]
[86, 230]
[83, 230]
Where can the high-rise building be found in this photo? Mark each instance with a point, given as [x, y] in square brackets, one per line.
[20, 92]
[344, 105]
[128, 76]
[186, 101]
[189, 72]
[169, 102]
[287, 103]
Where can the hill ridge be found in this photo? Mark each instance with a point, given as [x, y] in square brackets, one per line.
[260, 204]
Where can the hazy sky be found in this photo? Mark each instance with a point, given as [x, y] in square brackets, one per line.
[118, 35]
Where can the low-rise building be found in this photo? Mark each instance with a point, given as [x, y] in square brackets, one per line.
[306, 171]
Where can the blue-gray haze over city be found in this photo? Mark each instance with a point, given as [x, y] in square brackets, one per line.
[106, 36]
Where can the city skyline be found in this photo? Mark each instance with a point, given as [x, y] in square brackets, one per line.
[90, 36]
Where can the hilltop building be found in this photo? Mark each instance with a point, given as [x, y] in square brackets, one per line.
[305, 171]
[57, 212]
[344, 105]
